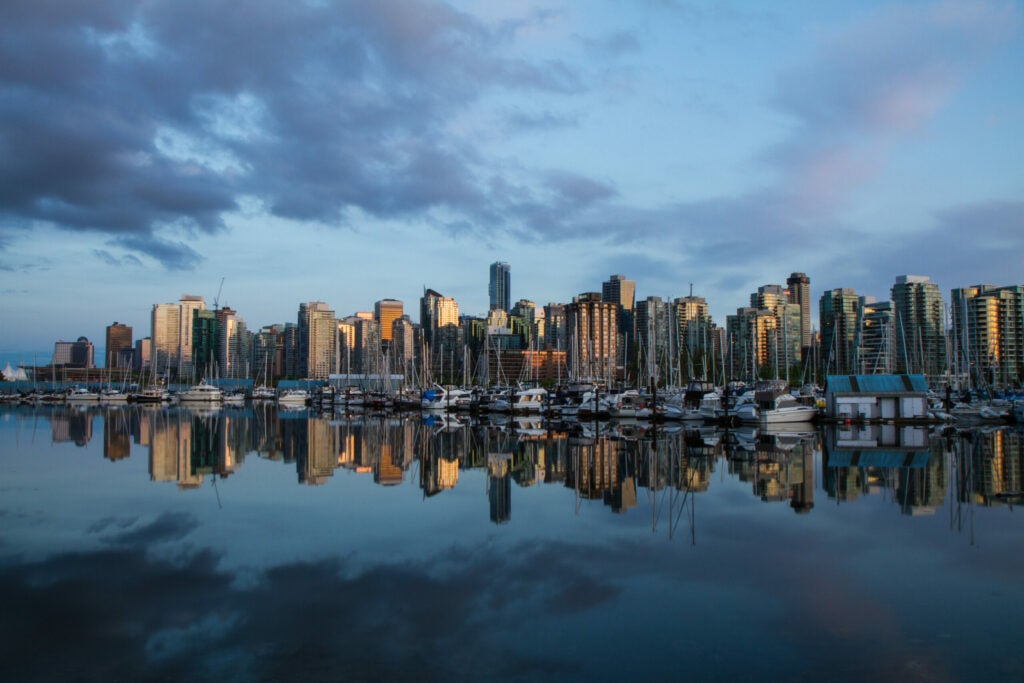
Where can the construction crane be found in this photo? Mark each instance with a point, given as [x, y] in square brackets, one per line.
[216, 299]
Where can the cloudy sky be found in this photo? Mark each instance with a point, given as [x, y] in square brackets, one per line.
[354, 151]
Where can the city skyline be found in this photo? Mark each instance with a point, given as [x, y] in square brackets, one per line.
[721, 146]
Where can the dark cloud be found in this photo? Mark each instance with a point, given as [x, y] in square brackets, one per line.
[174, 255]
[134, 120]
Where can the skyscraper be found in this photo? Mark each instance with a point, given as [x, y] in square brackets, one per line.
[386, 312]
[800, 294]
[920, 333]
[317, 336]
[592, 330]
[876, 352]
[988, 333]
[166, 336]
[839, 311]
[622, 292]
[500, 286]
[119, 338]
[187, 305]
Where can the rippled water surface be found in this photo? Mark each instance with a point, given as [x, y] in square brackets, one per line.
[254, 544]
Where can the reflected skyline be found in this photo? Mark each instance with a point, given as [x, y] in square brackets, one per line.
[918, 469]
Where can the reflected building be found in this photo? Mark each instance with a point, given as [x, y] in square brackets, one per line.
[71, 425]
[499, 487]
[170, 449]
[316, 463]
[116, 435]
[990, 467]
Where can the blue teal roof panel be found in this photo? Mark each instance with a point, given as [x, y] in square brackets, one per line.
[876, 384]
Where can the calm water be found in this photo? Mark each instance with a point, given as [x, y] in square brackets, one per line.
[257, 545]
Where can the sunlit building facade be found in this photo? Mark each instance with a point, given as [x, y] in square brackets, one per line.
[988, 333]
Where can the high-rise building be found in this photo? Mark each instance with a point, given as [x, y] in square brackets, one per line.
[205, 342]
[622, 292]
[166, 336]
[752, 335]
[920, 329]
[143, 354]
[800, 294]
[555, 333]
[592, 337]
[696, 335]
[188, 304]
[119, 338]
[500, 286]
[988, 333]
[291, 350]
[839, 311]
[653, 322]
[232, 345]
[876, 351]
[386, 312]
[317, 336]
[403, 343]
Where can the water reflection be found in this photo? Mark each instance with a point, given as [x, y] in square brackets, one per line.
[613, 463]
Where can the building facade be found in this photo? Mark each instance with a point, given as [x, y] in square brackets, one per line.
[500, 286]
[920, 326]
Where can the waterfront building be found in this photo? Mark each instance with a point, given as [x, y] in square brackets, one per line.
[521, 321]
[653, 322]
[166, 336]
[233, 345]
[205, 341]
[268, 353]
[555, 334]
[876, 325]
[920, 329]
[799, 286]
[696, 335]
[119, 338]
[838, 312]
[786, 339]
[404, 334]
[436, 312]
[592, 327]
[317, 336]
[754, 349]
[988, 333]
[187, 305]
[366, 344]
[143, 354]
[76, 354]
[500, 285]
[291, 350]
[171, 326]
[622, 292]
[386, 312]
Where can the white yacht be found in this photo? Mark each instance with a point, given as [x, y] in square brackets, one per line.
[202, 393]
[293, 397]
[81, 395]
[772, 405]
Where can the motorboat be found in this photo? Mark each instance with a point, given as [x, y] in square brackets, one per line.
[202, 393]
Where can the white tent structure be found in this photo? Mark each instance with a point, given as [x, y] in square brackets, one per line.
[14, 375]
